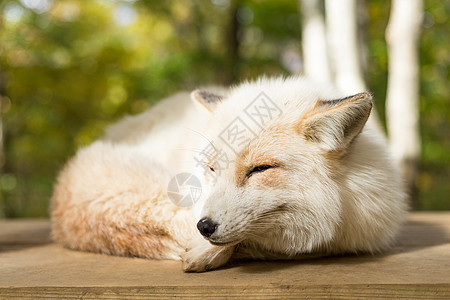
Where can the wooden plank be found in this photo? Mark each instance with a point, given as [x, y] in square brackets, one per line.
[235, 292]
[31, 266]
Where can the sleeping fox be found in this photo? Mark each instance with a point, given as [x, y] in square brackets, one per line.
[276, 168]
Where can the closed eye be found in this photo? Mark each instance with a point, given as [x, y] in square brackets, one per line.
[210, 167]
[258, 169]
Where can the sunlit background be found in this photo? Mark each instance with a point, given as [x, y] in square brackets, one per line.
[68, 68]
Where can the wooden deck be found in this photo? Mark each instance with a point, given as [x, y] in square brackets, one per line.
[31, 266]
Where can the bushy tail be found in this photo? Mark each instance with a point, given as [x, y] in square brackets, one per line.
[112, 199]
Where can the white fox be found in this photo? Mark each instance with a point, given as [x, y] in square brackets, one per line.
[286, 167]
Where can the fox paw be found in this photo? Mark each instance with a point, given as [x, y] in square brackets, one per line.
[201, 256]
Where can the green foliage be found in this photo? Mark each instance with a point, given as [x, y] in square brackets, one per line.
[73, 66]
[433, 183]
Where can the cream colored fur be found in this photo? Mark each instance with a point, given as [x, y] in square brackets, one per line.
[331, 186]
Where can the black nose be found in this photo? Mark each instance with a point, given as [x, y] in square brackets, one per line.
[206, 227]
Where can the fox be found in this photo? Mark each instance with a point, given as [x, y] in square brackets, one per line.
[277, 168]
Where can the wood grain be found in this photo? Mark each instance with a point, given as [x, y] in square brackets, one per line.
[418, 266]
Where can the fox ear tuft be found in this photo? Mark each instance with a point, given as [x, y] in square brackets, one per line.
[207, 99]
[334, 124]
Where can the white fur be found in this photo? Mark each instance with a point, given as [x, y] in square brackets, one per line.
[310, 204]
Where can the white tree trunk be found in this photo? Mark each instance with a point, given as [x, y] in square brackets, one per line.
[314, 42]
[343, 43]
[344, 52]
[402, 103]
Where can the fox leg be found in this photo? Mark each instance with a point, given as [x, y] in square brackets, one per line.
[112, 199]
[202, 256]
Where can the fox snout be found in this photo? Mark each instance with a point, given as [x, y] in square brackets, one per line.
[206, 227]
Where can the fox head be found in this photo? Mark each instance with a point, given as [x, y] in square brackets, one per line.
[294, 170]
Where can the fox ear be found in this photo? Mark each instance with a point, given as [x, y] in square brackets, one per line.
[207, 99]
[334, 124]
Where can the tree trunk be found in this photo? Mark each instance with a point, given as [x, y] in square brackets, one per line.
[314, 43]
[342, 29]
[343, 43]
[232, 42]
[402, 103]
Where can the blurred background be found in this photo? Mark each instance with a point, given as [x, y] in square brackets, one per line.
[68, 68]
